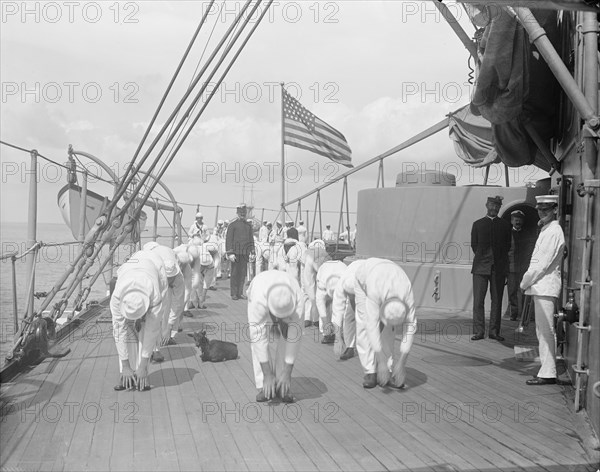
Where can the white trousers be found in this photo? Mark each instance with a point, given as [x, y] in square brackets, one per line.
[276, 358]
[544, 328]
[347, 324]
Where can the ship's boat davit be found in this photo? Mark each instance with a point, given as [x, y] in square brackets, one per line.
[69, 203]
[424, 225]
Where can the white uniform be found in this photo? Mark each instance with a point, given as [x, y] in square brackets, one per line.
[176, 293]
[197, 230]
[314, 256]
[292, 260]
[328, 275]
[213, 247]
[302, 233]
[263, 253]
[142, 272]
[543, 281]
[344, 304]
[260, 320]
[379, 281]
[263, 234]
[328, 235]
[277, 234]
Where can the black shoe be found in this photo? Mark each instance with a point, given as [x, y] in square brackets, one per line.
[188, 314]
[287, 399]
[212, 288]
[243, 297]
[235, 297]
[315, 324]
[119, 387]
[171, 342]
[307, 324]
[476, 337]
[370, 380]
[541, 381]
[260, 397]
[513, 318]
[156, 357]
[497, 337]
[329, 339]
[348, 354]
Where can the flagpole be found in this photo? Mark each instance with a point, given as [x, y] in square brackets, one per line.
[282, 161]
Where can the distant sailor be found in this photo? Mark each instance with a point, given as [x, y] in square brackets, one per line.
[385, 310]
[263, 232]
[291, 231]
[174, 300]
[328, 234]
[343, 309]
[274, 300]
[302, 232]
[289, 258]
[490, 241]
[314, 256]
[137, 307]
[543, 281]
[328, 276]
[198, 229]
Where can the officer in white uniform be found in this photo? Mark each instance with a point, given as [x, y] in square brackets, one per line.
[385, 308]
[314, 256]
[343, 309]
[543, 281]
[274, 299]
[137, 310]
[328, 276]
[175, 299]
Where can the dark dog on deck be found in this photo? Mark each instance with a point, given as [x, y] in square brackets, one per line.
[214, 350]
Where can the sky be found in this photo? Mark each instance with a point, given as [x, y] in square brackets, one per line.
[91, 74]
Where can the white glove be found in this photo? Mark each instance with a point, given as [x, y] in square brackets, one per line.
[231, 257]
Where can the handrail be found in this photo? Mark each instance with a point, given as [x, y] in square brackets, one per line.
[436, 128]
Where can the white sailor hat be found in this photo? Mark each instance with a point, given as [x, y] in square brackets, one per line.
[134, 304]
[289, 222]
[546, 200]
[393, 311]
[240, 206]
[220, 222]
[199, 215]
[280, 301]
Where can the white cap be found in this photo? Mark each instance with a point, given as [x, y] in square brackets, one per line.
[220, 222]
[226, 222]
[393, 311]
[280, 301]
[289, 222]
[134, 304]
[199, 215]
[546, 200]
[168, 256]
[183, 257]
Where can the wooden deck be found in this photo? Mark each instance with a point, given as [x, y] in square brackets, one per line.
[466, 408]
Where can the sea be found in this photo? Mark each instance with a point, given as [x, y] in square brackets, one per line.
[51, 263]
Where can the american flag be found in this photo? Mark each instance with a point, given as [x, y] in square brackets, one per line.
[304, 130]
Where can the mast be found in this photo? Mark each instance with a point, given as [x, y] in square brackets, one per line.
[282, 217]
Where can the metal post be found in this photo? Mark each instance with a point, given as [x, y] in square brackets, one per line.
[83, 213]
[32, 231]
[14, 286]
[155, 235]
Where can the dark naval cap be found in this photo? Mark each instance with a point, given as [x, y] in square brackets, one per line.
[497, 199]
[518, 213]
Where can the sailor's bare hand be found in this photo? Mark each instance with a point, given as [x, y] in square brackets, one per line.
[284, 384]
[383, 373]
[269, 385]
[231, 257]
[128, 379]
[142, 376]
[339, 346]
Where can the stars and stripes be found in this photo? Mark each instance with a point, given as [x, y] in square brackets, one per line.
[304, 130]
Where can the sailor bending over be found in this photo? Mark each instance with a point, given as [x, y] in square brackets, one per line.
[385, 308]
[137, 307]
[275, 310]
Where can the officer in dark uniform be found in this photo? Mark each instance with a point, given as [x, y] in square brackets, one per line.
[490, 241]
[239, 247]
[519, 256]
